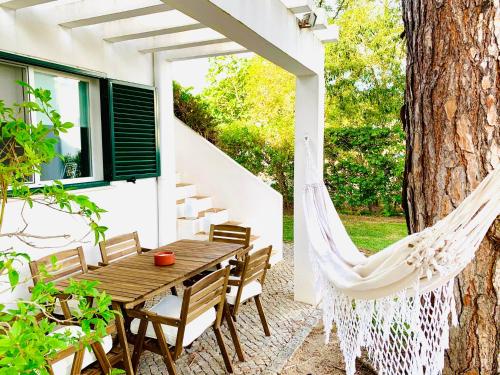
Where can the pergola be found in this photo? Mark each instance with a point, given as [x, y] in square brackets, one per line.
[174, 30]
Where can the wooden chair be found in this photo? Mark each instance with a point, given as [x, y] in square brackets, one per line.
[228, 234]
[176, 322]
[231, 234]
[250, 283]
[68, 263]
[118, 247]
[72, 360]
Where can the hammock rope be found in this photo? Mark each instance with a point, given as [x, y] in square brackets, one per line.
[396, 303]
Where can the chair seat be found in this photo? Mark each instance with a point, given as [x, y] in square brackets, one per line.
[252, 289]
[170, 306]
[63, 367]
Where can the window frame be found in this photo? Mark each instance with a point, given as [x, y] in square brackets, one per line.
[95, 124]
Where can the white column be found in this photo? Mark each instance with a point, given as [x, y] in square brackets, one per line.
[167, 231]
[309, 121]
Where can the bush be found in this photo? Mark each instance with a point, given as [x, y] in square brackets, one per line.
[194, 112]
[364, 168]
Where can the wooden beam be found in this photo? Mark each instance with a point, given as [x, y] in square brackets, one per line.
[263, 26]
[299, 6]
[329, 35]
[19, 4]
[171, 47]
[92, 12]
[222, 49]
[154, 32]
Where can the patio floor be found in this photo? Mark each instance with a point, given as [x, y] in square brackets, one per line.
[290, 322]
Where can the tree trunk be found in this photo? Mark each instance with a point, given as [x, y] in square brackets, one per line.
[453, 141]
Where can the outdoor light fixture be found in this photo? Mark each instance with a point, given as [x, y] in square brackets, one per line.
[308, 20]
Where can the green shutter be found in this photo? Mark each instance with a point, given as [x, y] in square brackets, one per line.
[130, 132]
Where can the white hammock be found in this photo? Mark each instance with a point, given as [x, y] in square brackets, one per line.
[397, 302]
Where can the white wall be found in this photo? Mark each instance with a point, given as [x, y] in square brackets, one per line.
[248, 198]
[34, 32]
[130, 207]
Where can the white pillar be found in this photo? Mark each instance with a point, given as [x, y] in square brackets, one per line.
[167, 231]
[309, 121]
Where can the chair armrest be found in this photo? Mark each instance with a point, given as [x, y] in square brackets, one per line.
[93, 267]
[153, 317]
[233, 282]
[145, 249]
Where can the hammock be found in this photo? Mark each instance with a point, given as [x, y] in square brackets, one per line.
[396, 303]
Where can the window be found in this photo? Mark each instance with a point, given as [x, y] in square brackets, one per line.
[70, 97]
[77, 99]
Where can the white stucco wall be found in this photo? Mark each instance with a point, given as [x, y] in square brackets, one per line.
[249, 200]
[34, 32]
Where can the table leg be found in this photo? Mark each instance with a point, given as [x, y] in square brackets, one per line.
[233, 332]
[122, 338]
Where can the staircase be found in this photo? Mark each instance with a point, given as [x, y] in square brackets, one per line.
[212, 188]
[198, 227]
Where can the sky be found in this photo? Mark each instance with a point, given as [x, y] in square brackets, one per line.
[191, 73]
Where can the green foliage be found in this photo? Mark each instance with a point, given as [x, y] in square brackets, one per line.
[252, 102]
[364, 168]
[194, 112]
[27, 341]
[364, 70]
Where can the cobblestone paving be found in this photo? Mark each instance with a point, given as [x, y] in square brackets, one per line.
[290, 322]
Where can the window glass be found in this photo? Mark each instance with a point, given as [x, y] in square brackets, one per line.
[10, 91]
[70, 97]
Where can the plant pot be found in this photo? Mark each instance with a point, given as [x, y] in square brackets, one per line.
[164, 258]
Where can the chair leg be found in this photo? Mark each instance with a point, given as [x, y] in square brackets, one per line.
[162, 342]
[262, 316]
[173, 291]
[76, 367]
[139, 342]
[222, 346]
[234, 333]
[100, 354]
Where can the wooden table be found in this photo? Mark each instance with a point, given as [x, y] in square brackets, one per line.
[133, 280]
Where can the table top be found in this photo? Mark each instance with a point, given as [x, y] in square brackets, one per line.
[135, 279]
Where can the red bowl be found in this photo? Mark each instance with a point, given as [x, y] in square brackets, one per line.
[164, 258]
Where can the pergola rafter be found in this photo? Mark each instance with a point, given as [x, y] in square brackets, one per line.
[19, 4]
[179, 46]
[115, 38]
[86, 14]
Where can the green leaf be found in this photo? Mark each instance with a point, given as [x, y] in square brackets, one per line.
[13, 278]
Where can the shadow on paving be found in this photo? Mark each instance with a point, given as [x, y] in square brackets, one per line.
[290, 323]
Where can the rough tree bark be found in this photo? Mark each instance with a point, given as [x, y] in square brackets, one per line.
[453, 141]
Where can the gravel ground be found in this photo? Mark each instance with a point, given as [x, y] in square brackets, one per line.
[316, 358]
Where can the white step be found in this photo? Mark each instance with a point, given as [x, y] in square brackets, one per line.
[183, 191]
[200, 202]
[187, 227]
[178, 178]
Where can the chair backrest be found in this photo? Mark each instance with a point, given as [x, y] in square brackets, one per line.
[255, 267]
[230, 234]
[118, 247]
[67, 263]
[207, 293]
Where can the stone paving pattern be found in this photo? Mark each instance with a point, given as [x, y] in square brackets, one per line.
[290, 322]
